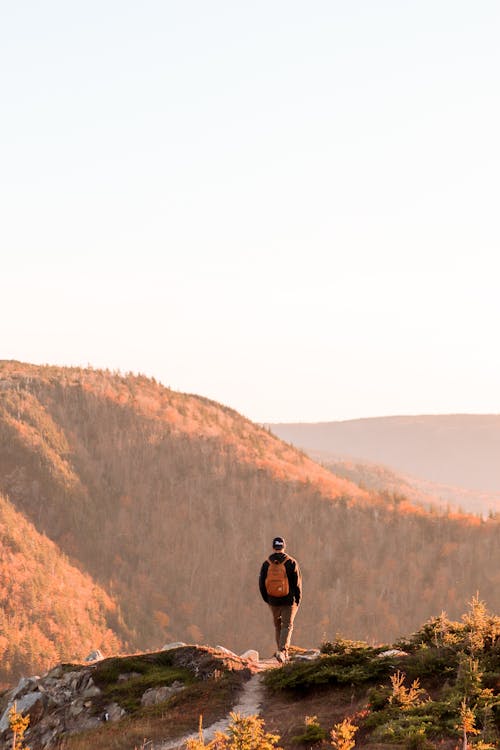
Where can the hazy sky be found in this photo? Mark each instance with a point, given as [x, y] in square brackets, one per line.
[289, 207]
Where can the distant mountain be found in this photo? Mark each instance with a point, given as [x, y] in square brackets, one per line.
[461, 450]
[169, 501]
[429, 495]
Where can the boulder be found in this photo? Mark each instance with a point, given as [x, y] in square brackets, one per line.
[30, 703]
[76, 708]
[152, 696]
[55, 673]
[250, 654]
[226, 651]
[176, 644]
[92, 691]
[113, 712]
[25, 685]
[94, 656]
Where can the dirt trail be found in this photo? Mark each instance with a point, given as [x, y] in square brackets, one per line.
[249, 703]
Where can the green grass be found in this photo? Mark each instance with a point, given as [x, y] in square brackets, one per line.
[148, 671]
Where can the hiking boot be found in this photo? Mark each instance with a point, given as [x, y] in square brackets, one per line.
[281, 656]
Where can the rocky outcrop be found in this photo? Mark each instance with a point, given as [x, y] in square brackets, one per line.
[71, 698]
[60, 701]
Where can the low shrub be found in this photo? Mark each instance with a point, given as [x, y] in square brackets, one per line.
[313, 732]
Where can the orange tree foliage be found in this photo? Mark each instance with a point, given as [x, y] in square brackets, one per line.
[49, 610]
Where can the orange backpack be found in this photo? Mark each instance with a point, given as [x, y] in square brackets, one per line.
[277, 579]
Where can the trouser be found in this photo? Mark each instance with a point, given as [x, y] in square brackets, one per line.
[283, 617]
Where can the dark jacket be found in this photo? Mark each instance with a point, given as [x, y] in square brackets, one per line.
[294, 580]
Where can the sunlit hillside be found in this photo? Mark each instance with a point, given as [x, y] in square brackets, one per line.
[49, 610]
[169, 501]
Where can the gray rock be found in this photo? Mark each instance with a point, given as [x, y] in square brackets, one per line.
[24, 705]
[94, 656]
[114, 712]
[153, 696]
[226, 651]
[25, 685]
[176, 644]
[392, 652]
[92, 691]
[85, 681]
[49, 735]
[55, 673]
[70, 678]
[128, 676]
[76, 708]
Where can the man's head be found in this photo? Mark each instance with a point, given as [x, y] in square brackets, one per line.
[278, 544]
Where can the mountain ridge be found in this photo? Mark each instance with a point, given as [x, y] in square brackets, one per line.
[452, 449]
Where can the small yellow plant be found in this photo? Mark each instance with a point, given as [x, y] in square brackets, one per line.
[313, 732]
[403, 696]
[467, 726]
[244, 733]
[18, 724]
[342, 735]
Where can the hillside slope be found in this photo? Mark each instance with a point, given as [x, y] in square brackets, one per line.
[49, 610]
[169, 502]
[457, 449]
[379, 478]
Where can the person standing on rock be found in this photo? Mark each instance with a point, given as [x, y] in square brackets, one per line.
[280, 584]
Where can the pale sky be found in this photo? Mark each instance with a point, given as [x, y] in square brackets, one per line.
[289, 207]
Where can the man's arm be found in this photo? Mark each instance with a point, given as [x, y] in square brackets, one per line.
[262, 581]
[295, 579]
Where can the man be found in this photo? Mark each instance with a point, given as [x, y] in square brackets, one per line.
[280, 585]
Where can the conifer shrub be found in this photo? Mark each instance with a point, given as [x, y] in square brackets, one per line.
[432, 664]
[345, 646]
[479, 632]
[313, 732]
[353, 668]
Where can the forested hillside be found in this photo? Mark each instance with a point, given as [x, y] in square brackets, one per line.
[50, 611]
[429, 495]
[170, 501]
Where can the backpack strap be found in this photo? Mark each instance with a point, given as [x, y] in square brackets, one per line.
[277, 562]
